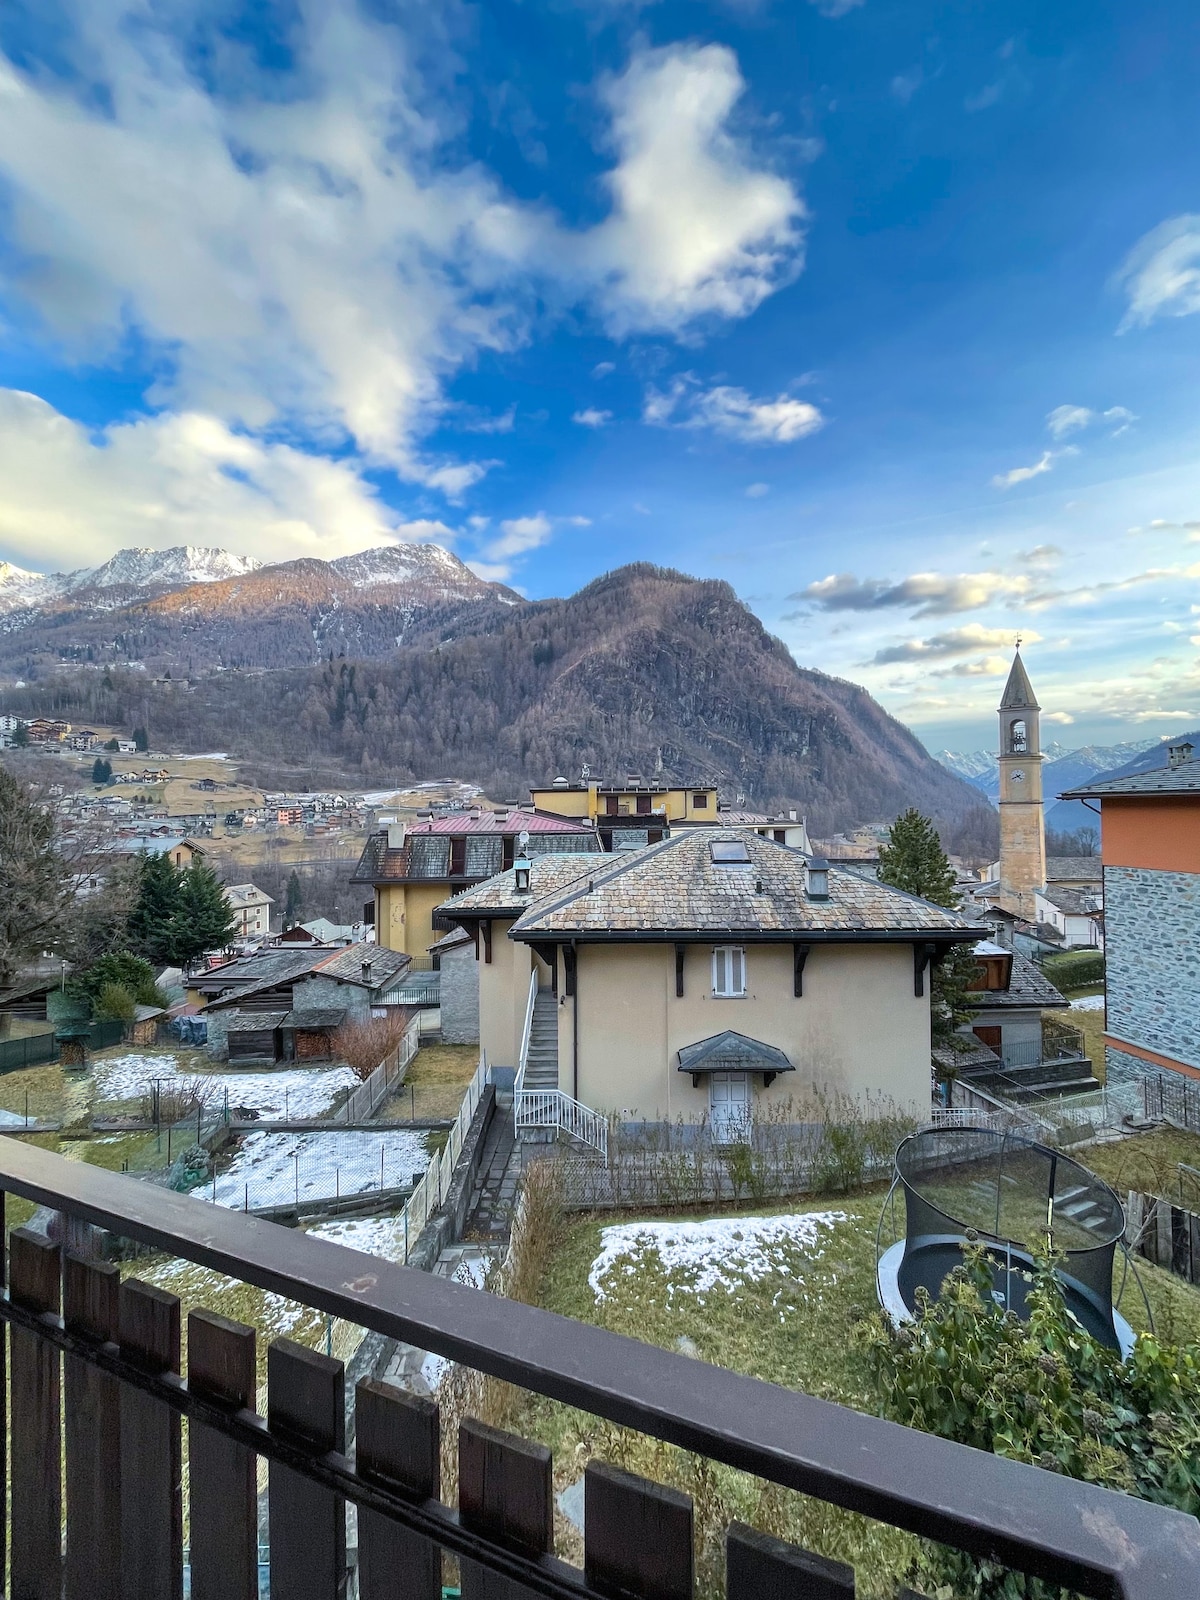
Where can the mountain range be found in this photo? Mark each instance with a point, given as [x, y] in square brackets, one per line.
[401, 663]
[1064, 769]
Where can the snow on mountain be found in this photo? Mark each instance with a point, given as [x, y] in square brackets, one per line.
[426, 564]
[19, 588]
[128, 569]
[140, 568]
[973, 765]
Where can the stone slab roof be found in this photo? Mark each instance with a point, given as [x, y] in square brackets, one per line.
[1182, 780]
[732, 1052]
[1076, 902]
[315, 1017]
[346, 965]
[254, 1021]
[676, 887]
[498, 896]
[1074, 869]
[1027, 988]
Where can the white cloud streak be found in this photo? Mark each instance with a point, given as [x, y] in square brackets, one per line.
[1066, 420]
[731, 412]
[589, 417]
[955, 642]
[1045, 463]
[924, 594]
[1161, 274]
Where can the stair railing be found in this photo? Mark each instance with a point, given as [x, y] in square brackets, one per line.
[526, 1033]
[551, 1108]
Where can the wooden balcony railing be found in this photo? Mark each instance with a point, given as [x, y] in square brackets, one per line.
[97, 1403]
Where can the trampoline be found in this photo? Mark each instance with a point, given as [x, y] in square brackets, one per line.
[1008, 1192]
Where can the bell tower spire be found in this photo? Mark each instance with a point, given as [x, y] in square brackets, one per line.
[1022, 813]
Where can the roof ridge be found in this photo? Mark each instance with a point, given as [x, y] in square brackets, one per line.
[635, 858]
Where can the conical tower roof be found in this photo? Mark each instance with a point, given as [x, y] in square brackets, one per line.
[1018, 691]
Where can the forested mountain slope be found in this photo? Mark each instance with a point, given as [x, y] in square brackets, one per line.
[644, 670]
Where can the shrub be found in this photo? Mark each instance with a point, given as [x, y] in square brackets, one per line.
[114, 1003]
[363, 1045]
[1042, 1391]
[1075, 969]
[118, 968]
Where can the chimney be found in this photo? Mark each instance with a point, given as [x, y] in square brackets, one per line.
[395, 835]
[816, 878]
[792, 816]
[366, 972]
[1179, 754]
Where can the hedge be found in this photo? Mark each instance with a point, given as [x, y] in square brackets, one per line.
[1075, 969]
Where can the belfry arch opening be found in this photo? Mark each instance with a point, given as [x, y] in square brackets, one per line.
[1018, 738]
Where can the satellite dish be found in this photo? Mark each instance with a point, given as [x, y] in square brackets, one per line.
[586, 773]
[523, 840]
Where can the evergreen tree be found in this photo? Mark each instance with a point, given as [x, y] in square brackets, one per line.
[101, 770]
[141, 740]
[203, 919]
[113, 744]
[294, 900]
[150, 922]
[20, 736]
[913, 860]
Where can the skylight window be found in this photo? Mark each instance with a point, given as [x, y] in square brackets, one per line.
[730, 853]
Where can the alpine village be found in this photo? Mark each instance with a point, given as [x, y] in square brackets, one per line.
[599, 800]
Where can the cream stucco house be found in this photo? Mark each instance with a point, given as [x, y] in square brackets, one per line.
[707, 976]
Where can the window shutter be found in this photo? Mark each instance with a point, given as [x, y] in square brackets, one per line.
[718, 971]
[737, 973]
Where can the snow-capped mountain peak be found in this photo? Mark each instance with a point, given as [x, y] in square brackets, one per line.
[407, 563]
[141, 568]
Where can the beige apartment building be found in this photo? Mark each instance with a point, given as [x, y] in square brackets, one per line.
[710, 976]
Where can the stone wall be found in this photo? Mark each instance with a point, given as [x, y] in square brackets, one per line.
[316, 993]
[460, 996]
[1152, 959]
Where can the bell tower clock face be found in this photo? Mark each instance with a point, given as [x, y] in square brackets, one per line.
[1018, 776]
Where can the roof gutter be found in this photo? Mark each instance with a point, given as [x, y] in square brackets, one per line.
[750, 935]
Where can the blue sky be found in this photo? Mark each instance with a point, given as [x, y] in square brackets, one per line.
[886, 312]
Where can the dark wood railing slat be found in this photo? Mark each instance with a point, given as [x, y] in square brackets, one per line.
[151, 1451]
[759, 1567]
[397, 1444]
[92, 1415]
[305, 1404]
[506, 1492]
[637, 1535]
[35, 1278]
[222, 1475]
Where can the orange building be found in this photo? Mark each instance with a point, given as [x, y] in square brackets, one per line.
[1150, 848]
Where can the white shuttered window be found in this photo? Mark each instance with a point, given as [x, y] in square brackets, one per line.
[728, 971]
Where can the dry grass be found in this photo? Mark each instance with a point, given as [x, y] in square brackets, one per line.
[434, 1086]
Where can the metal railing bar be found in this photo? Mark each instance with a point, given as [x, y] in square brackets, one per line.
[1096, 1540]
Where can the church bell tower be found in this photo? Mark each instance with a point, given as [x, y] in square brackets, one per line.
[1022, 814]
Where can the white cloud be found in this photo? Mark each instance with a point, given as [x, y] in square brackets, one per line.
[307, 251]
[985, 667]
[905, 84]
[69, 497]
[1042, 555]
[699, 227]
[732, 412]
[603, 368]
[1045, 463]
[1063, 719]
[955, 642]
[589, 417]
[755, 491]
[1161, 274]
[925, 594]
[518, 536]
[1065, 420]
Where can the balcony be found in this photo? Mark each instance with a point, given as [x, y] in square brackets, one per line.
[98, 1403]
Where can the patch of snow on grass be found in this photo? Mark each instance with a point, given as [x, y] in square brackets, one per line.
[1088, 1002]
[374, 1236]
[300, 1092]
[716, 1253]
[277, 1169]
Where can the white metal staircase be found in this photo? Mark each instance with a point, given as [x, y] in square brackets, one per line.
[539, 1105]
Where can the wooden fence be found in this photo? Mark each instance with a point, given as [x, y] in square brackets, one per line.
[1164, 1233]
[388, 1075]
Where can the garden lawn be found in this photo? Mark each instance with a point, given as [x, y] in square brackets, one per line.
[435, 1083]
[775, 1295]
